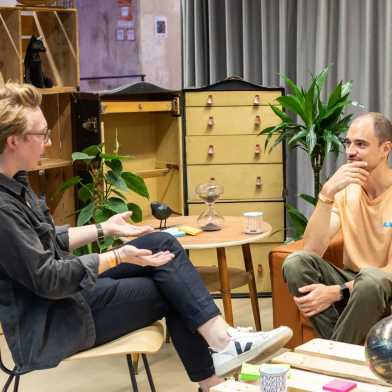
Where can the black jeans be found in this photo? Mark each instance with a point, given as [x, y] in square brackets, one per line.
[129, 297]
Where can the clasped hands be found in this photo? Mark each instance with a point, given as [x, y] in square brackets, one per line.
[119, 226]
[316, 298]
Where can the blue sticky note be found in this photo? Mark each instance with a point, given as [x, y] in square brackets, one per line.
[175, 232]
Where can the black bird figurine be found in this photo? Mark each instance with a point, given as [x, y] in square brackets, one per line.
[161, 211]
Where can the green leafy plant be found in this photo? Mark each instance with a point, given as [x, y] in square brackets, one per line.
[101, 187]
[317, 129]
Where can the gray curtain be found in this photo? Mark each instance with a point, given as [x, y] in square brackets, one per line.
[260, 39]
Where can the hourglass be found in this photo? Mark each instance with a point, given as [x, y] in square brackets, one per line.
[210, 219]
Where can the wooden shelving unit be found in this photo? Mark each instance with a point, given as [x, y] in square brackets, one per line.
[58, 28]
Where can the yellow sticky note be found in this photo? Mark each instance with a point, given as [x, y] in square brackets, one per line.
[189, 230]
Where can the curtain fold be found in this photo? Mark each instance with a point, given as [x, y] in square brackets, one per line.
[260, 39]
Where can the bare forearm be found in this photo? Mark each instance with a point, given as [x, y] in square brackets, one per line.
[82, 235]
[317, 233]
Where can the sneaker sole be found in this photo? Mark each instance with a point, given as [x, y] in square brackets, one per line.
[274, 344]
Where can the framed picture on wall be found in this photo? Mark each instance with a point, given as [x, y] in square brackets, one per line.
[160, 26]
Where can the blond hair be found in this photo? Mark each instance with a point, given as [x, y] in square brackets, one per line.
[382, 125]
[15, 98]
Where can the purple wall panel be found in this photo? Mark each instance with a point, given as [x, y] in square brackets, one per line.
[106, 45]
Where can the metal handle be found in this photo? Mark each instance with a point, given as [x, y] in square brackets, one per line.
[211, 150]
[210, 100]
[257, 149]
[256, 100]
[259, 183]
[210, 122]
[257, 120]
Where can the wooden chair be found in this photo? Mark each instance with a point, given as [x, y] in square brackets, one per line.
[144, 341]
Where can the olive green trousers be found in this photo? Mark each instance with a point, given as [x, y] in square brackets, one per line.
[369, 302]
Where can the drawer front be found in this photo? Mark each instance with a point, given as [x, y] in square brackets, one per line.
[229, 120]
[273, 213]
[248, 182]
[259, 252]
[231, 98]
[230, 149]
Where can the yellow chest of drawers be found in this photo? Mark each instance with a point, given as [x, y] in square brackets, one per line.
[222, 123]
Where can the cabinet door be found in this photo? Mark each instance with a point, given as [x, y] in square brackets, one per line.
[230, 149]
[240, 182]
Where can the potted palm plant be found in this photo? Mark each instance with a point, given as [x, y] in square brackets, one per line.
[101, 188]
[312, 124]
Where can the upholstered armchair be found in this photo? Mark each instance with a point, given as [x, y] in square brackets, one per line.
[285, 311]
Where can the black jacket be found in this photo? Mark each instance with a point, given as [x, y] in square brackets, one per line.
[43, 314]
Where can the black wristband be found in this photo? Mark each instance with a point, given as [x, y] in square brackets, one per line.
[100, 233]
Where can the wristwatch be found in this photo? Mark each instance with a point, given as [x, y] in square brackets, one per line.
[344, 293]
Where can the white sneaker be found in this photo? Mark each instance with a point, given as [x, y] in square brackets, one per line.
[245, 346]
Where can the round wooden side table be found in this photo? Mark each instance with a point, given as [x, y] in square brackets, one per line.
[232, 234]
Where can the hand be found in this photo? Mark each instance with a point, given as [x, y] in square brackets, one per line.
[119, 225]
[143, 257]
[318, 298]
[350, 173]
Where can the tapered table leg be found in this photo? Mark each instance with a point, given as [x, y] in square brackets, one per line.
[225, 285]
[252, 285]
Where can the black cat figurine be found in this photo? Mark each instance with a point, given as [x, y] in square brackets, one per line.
[33, 65]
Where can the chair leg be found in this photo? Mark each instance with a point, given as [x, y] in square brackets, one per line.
[8, 382]
[135, 361]
[132, 373]
[148, 372]
[16, 383]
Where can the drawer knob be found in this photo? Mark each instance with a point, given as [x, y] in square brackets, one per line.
[257, 149]
[211, 150]
[210, 101]
[259, 183]
[256, 100]
[257, 120]
[210, 121]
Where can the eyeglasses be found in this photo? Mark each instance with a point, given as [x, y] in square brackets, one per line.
[45, 133]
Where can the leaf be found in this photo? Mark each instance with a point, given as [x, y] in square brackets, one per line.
[69, 183]
[297, 136]
[86, 214]
[293, 104]
[298, 220]
[137, 214]
[116, 180]
[102, 214]
[115, 156]
[116, 165]
[118, 193]
[85, 193]
[311, 139]
[281, 114]
[105, 244]
[81, 156]
[92, 150]
[308, 198]
[116, 205]
[136, 183]
[293, 87]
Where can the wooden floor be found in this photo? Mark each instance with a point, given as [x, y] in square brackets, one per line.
[111, 374]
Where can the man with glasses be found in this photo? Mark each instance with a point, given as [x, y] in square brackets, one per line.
[54, 303]
[343, 304]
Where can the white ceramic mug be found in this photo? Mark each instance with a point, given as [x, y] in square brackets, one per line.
[253, 222]
[273, 378]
